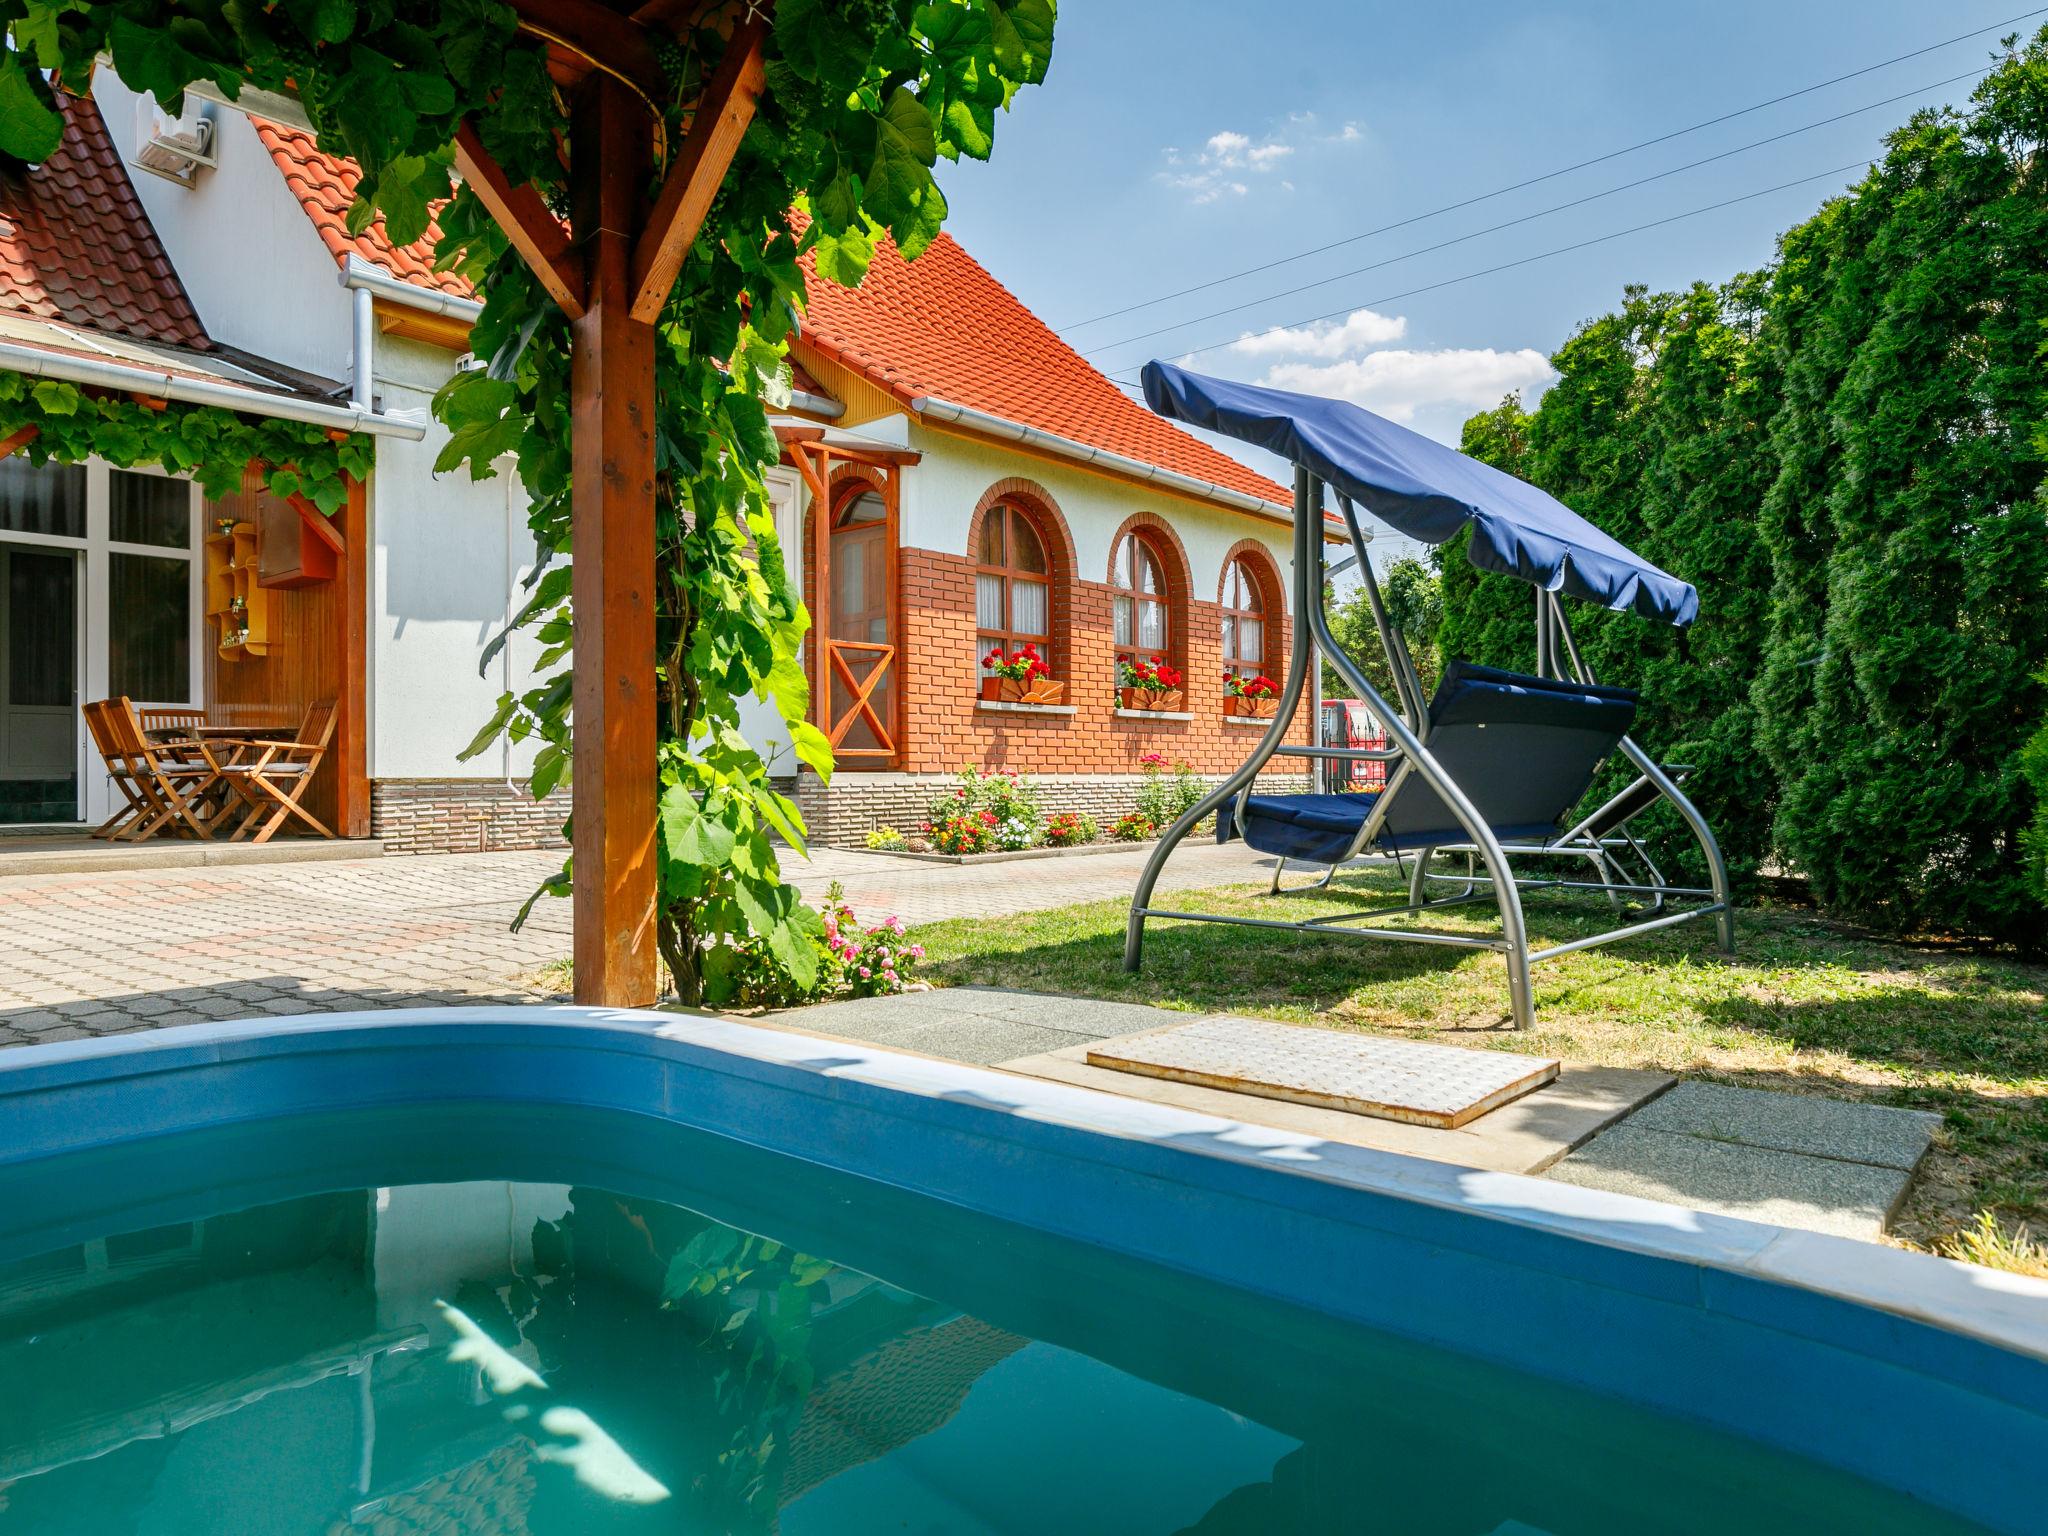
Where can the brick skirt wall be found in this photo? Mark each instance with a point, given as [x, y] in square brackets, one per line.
[841, 815]
[463, 816]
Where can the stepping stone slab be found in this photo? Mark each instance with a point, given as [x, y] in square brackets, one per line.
[1787, 1189]
[1790, 1122]
[1435, 1085]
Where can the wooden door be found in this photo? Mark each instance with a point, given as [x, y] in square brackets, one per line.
[860, 630]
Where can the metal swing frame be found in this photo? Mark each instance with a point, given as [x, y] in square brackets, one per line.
[1601, 838]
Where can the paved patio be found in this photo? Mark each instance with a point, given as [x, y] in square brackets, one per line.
[103, 952]
[1794, 1160]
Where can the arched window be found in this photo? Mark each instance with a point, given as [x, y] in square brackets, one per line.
[1143, 626]
[1012, 586]
[1244, 620]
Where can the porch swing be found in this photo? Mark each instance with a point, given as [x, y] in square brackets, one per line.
[1487, 772]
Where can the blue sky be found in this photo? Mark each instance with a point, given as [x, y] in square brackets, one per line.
[1178, 143]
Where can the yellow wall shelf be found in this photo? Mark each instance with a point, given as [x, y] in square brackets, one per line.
[236, 603]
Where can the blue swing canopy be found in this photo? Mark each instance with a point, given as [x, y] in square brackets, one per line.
[1427, 491]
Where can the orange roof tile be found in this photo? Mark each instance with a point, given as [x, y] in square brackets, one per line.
[941, 326]
[325, 186]
[76, 247]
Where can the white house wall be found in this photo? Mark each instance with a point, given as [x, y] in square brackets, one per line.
[243, 247]
[450, 552]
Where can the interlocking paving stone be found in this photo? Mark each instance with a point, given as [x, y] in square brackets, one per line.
[1790, 1189]
[107, 950]
[1789, 1122]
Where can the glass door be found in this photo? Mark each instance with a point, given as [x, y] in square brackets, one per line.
[38, 684]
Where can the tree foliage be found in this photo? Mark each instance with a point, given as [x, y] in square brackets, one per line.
[1845, 455]
[863, 98]
[1413, 594]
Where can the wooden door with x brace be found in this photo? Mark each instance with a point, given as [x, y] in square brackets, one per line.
[860, 630]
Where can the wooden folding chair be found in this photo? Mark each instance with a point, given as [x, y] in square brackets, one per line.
[120, 772]
[182, 719]
[271, 780]
[172, 782]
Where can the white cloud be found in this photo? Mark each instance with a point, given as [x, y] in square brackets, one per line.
[1399, 382]
[1360, 329]
[1216, 169]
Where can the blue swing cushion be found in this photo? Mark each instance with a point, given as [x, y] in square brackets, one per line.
[1523, 749]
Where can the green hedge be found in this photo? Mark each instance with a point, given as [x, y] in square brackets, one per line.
[1845, 455]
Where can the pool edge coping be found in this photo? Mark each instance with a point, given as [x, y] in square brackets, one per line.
[2005, 1311]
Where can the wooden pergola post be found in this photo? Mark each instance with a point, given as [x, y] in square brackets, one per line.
[611, 271]
[612, 532]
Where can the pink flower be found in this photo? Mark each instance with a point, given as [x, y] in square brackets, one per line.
[865, 973]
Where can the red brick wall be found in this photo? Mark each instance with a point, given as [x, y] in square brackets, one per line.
[944, 730]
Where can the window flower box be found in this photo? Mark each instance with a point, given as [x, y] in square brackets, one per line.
[1148, 685]
[1152, 700]
[1034, 690]
[1021, 677]
[1250, 698]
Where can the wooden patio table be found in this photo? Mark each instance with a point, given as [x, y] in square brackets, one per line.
[221, 747]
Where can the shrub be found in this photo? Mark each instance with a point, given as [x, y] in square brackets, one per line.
[884, 839]
[1068, 829]
[868, 962]
[850, 959]
[1134, 827]
[964, 832]
[2034, 839]
[1006, 796]
[1164, 798]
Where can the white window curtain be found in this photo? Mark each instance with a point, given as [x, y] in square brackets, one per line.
[988, 602]
[1152, 626]
[1251, 641]
[1123, 622]
[1028, 604]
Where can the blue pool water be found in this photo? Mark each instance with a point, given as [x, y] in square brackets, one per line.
[473, 1321]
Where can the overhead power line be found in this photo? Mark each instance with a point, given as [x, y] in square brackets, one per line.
[1494, 229]
[1662, 138]
[1562, 250]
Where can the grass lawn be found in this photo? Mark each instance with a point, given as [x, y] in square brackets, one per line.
[1804, 1005]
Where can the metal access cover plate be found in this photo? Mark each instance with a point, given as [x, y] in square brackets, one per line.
[1437, 1085]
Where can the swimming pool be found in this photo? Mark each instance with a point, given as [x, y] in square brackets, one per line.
[563, 1271]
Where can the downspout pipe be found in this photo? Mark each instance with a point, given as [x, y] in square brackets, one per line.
[128, 379]
[362, 391]
[930, 406]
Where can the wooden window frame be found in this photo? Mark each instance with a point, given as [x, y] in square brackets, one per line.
[1010, 638]
[1175, 623]
[1261, 590]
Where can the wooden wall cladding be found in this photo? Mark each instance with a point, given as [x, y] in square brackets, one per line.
[315, 652]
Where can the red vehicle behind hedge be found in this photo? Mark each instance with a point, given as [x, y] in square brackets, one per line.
[1348, 723]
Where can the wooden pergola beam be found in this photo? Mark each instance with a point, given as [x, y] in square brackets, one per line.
[723, 112]
[527, 220]
[19, 439]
